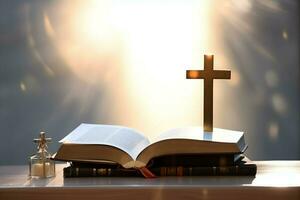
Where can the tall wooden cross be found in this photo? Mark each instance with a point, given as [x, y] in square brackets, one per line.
[208, 74]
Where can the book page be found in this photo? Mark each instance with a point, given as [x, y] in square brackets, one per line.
[197, 133]
[124, 138]
[194, 140]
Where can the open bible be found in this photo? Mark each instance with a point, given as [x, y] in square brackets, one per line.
[131, 149]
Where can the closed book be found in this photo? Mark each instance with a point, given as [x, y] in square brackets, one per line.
[196, 160]
[237, 170]
[184, 160]
[100, 172]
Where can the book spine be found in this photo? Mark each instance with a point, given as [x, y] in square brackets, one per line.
[245, 170]
[195, 160]
[99, 172]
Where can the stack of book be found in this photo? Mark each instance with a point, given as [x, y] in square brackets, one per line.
[116, 151]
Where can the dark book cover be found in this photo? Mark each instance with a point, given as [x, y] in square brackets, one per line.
[240, 168]
[72, 171]
[184, 160]
[195, 160]
[237, 170]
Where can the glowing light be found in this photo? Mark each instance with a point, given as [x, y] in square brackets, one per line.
[92, 24]
[273, 131]
[279, 103]
[243, 5]
[285, 35]
[285, 175]
[48, 26]
[235, 78]
[161, 47]
[140, 51]
[192, 74]
[29, 84]
[271, 5]
[87, 39]
[23, 87]
[35, 51]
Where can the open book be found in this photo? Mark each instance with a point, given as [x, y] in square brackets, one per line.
[131, 149]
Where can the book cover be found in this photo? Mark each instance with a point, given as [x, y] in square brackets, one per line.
[240, 168]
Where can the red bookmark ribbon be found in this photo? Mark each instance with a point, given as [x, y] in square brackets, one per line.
[146, 172]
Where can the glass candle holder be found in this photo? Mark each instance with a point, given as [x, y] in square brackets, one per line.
[40, 164]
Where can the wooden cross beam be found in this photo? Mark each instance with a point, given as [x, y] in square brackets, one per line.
[208, 74]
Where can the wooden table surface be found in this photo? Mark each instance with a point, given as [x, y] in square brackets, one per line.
[274, 180]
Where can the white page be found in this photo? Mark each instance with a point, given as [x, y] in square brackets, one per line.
[197, 133]
[121, 137]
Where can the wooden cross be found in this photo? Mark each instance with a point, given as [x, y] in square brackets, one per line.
[208, 74]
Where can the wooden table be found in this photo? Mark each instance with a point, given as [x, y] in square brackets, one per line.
[274, 180]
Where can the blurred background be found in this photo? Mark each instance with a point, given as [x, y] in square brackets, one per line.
[65, 62]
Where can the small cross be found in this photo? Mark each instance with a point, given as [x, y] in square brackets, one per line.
[42, 141]
[208, 74]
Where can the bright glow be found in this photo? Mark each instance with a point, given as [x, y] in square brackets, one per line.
[279, 103]
[127, 62]
[48, 26]
[92, 23]
[140, 51]
[161, 45]
[243, 5]
[285, 35]
[273, 131]
[87, 40]
[285, 174]
[23, 87]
